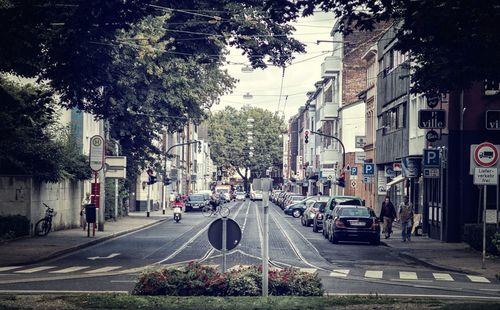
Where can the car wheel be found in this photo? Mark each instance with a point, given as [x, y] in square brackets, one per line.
[333, 239]
[302, 221]
[296, 213]
[315, 227]
[375, 241]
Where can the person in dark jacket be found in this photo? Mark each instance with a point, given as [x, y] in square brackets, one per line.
[387, 215]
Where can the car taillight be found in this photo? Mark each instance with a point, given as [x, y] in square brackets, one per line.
[375, 223]
[339, 223]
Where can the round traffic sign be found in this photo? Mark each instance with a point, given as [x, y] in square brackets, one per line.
[233, 235]
[486, 154]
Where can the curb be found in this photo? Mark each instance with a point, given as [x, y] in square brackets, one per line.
[428, 263]
[87, 244]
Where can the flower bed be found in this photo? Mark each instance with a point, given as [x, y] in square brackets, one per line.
[196, 279]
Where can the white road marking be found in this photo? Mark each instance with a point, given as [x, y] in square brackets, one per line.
[374, 274]
[478, 279]
[104, 257]
[309, 270]
[339, 273]
[9, 268]
[70, 269]
[405, 275]
[36, 269]
[442, 277]
[103, 269]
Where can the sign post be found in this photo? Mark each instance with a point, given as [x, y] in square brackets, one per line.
[96, 161]
[266, 187]
[486, 156]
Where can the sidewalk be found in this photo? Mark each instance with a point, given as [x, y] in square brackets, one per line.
[31, 250]
[456, 257]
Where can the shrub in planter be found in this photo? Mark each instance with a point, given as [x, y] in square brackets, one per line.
[196, 279]
[473, 235]
[294, 282]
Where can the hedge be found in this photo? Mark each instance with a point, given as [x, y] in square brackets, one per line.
[13, 226]
[473, 235]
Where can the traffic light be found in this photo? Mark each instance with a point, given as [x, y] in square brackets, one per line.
[151, 177]
[199, 147]
[306, 136]
[341, 180]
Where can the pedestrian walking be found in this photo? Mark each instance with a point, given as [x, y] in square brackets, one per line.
[387, 215]
[83, 220]
[405, 215]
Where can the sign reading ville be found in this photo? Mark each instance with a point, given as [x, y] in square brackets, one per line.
[493, 120]
[432, 119]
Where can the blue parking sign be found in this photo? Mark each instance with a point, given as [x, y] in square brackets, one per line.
[431, 158]
[369, 169]
[354, 170]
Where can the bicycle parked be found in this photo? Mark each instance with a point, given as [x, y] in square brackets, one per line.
[43, 226]
[211, 210]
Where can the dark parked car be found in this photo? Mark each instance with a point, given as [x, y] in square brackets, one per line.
[196, 202]
[337, 201]
[354, 223]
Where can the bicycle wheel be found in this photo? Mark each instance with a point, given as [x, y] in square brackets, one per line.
[224, 211]
[42, 228]
[206, 211]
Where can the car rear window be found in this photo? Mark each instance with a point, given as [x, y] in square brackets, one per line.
[355, 212]
[348, 202]
[196, 198]
[297, 198]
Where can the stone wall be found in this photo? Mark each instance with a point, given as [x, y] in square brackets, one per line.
[20, 195]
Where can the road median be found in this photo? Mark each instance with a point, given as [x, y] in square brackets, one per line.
[125, 301]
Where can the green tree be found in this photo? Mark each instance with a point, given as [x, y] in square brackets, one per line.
[452, 43]
[33, 143]
[228, 134]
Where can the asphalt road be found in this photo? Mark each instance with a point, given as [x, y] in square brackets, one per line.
[346, 268]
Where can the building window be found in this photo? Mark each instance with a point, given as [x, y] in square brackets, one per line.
[394, 118]
[328, 94]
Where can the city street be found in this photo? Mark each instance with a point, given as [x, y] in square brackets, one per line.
[346, 268]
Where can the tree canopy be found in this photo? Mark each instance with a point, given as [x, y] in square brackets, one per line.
[452, 44]
[141, 65]
[33, 143]
[228, 136]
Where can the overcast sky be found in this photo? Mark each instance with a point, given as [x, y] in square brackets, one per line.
[299, 78]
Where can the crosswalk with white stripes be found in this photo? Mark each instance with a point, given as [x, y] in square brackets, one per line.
[336, 273]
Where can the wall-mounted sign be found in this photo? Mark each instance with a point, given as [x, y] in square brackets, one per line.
[432, 119]
[493, 120]
[431, 173]
[432, 136]
[360, 141]
[411, 166]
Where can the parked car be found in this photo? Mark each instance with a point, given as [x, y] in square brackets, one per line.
[297, 209]
[309, 213]
[319, 216]
[290, 202]
[196, 202]
[337, 201]
[256, 195]
[240, 196]
[354, 223]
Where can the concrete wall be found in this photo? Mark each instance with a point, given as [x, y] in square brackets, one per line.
[20, 195]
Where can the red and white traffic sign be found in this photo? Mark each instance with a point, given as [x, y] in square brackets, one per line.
[486, 155]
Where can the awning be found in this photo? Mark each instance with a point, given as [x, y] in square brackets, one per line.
[396, 180]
